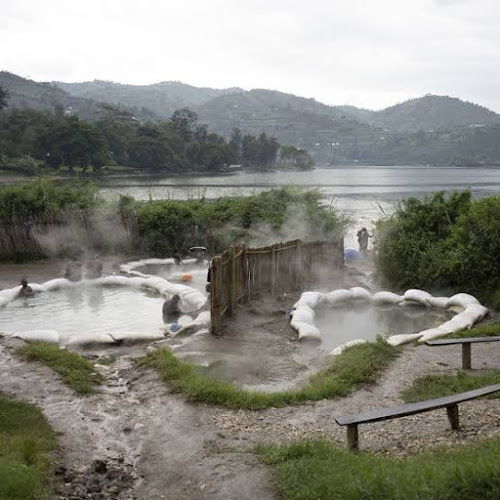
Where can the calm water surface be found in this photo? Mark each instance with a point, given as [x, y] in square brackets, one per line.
[363, 193]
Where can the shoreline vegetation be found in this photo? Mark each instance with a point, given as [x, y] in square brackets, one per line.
[161, 228]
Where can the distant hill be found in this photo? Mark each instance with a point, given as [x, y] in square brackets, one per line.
[158, 99]
[291, 119]
[431, 112]
[25, 93]
[430, 129]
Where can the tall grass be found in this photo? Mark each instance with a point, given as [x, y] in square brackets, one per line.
[319, 470]
[26, 440]
[356, 365]
[76, 371]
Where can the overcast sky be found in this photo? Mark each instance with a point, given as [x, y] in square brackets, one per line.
[369, 53]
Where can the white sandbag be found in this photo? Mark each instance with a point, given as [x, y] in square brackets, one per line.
[311, 299]
[130, 337]
[4, 301]
[386, 298]
[457, 323]
[412, 303]
[303, 313]
[10, 293]
[337, 297]
[478, 310]
[338, 350]
[58, 283]
[417, 296]
[84, 339]
[37, 288]
[463, 300]
[49, 336]
[441, 302]
[403, 338]
[434, 333]
[359, 293]
[306, 331]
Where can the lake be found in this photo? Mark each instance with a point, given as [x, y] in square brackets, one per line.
[365, 193]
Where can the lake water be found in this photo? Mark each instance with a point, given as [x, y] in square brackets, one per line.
[363, 193]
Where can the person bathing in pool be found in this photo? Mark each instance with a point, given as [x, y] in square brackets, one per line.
[171, 310]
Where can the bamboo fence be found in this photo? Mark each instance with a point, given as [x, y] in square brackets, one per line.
[240, 274]
[39, 236]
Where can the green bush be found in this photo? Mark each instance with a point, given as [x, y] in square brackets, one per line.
[442, 243]
[169, 227]
[42, 198]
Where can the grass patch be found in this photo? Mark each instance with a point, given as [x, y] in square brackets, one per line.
[436, 386]
[356, 365]
[76, 371]
[488, 330]
[25, 443]
[313, 470]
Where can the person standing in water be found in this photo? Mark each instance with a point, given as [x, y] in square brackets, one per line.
[363, 239]
[171, 310]
[93, 269]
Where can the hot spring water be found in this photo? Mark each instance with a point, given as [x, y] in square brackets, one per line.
[85, 309]
[365, 321]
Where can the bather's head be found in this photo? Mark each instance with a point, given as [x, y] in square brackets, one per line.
[24, 282]
[176, 298]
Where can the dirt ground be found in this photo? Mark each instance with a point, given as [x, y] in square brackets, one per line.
[137, 439]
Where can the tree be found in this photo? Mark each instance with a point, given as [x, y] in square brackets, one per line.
[234, 147]
[74, 142]
[184, 122]
[3, 98]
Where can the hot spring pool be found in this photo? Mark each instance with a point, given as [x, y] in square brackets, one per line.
[85, 309]
[366, 321]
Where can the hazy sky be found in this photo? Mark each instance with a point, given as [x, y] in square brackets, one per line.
[366, 53]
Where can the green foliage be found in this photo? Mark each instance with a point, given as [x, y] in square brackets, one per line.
[41, 198]
[76, 371]
[169, 227]
[317, 469]
[445, 243]
[486, 330]
[26, 440]
[436, 386]
[356, 365]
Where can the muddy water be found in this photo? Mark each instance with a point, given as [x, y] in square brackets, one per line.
[340, 325]
[85, 309]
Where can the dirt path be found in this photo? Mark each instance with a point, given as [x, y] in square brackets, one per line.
[135, 439]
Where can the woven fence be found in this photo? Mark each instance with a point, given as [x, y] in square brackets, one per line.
[22, 238]
[240, 274]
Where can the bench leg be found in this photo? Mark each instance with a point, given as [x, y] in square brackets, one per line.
[352, 437]
[453, 416]
[466, 358]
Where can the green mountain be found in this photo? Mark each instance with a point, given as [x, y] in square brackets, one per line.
[159, 99]
[292, 120]
[428, 113]
[24, 93]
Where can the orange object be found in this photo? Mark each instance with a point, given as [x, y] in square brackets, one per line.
[186, 277]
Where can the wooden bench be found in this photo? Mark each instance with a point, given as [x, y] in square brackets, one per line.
[448, 402]
[466, 346]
